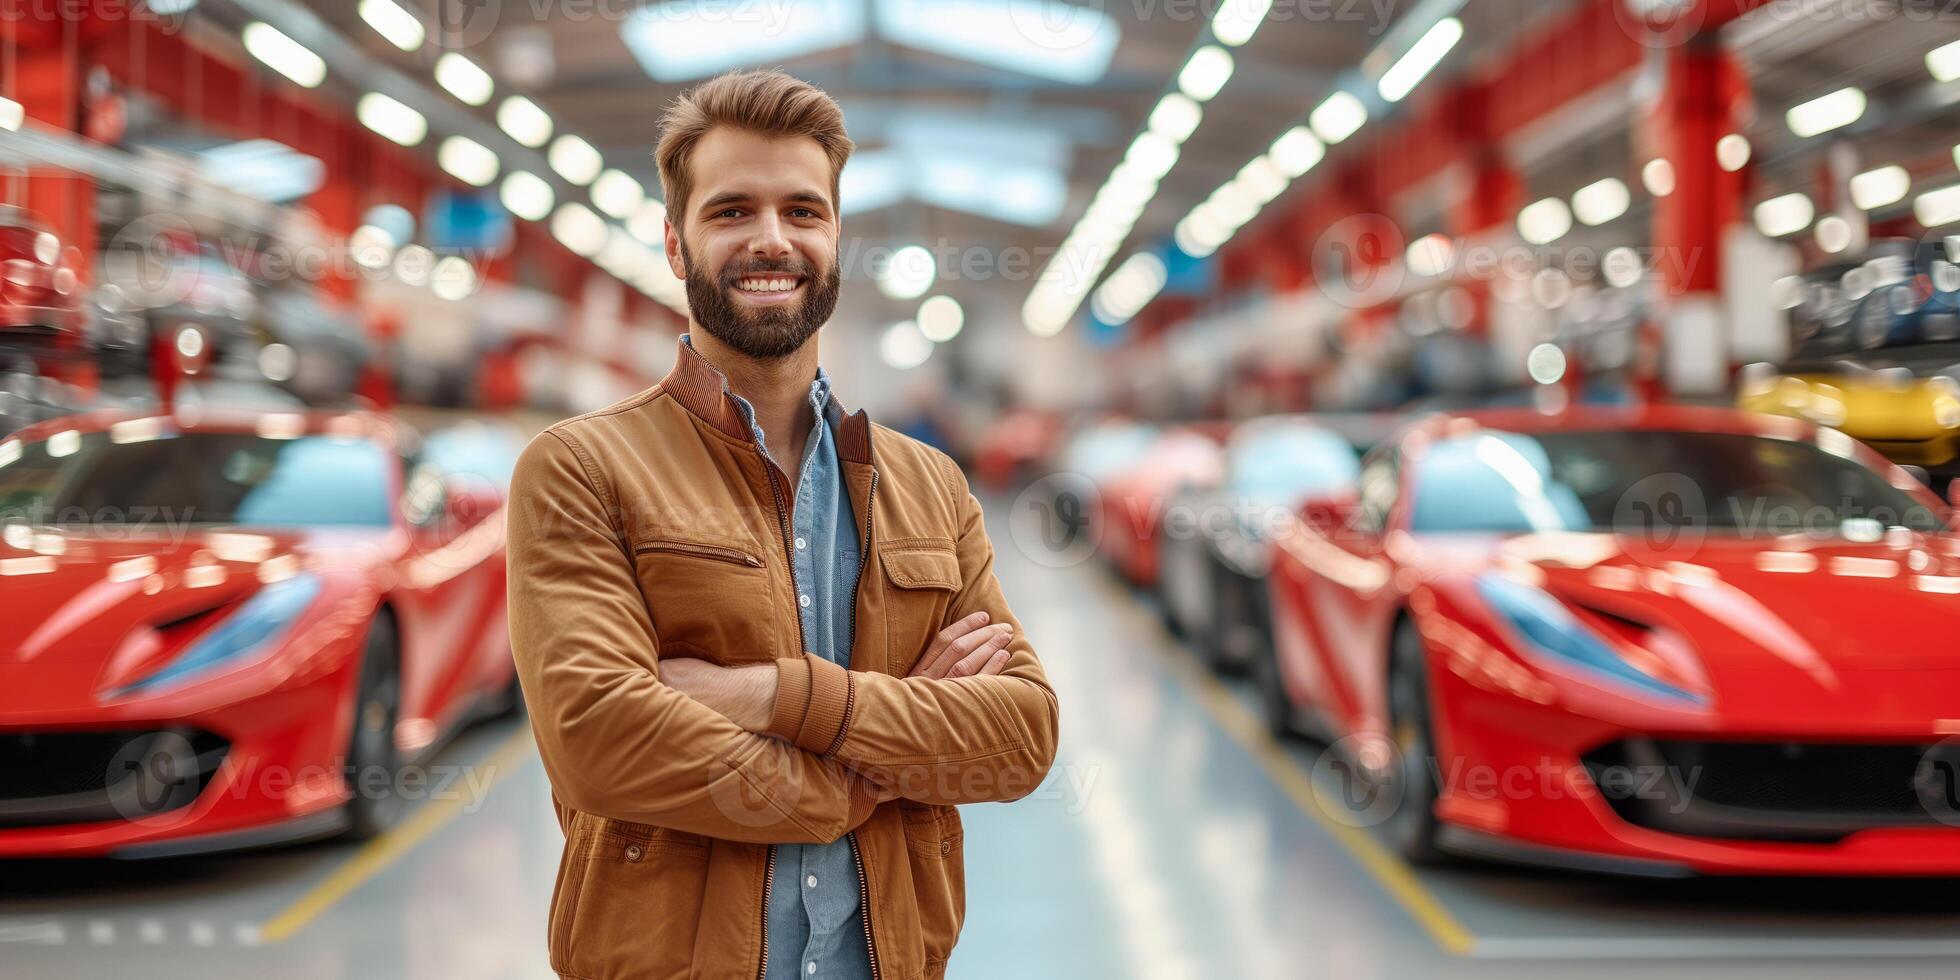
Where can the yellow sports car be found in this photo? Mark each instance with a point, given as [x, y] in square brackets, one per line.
[1909, 410]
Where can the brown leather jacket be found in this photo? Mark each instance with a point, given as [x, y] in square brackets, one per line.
[655, 527]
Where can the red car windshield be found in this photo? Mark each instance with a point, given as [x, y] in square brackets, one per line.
[197, 478]
[1635, 480]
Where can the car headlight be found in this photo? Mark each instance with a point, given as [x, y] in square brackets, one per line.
[1549, 628]
[259, 620]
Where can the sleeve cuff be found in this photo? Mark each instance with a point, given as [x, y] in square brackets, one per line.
[813, 699]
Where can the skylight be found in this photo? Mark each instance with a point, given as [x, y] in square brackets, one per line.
[686, 39]
[1062, 41]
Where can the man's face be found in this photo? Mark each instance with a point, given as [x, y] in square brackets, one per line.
[758, 244]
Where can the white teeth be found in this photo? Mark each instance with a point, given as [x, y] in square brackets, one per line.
[765, 285]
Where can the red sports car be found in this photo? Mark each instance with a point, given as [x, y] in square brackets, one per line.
[1657, 641]
[222, 632]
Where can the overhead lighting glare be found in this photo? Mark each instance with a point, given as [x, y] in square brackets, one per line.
[1422, 58]
[1875, 189]
[1546, 221]
[1785, 215]
[1297, 151]
[284, 55]
[1944, 61]
[400, 27]
[461, 77]
[468, 161]
[1825, 113]
[579, 229]
[1338, 117]
[391, 119]
[1176, 116]
[1237, 20]
[1601, 201]
[618, 194]
[526, 195]
[524, 122]
[575, 159]
[1208, 70]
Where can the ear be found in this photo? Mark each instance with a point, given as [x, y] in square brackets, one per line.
[672, 239]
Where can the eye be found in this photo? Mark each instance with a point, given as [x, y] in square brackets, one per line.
[803, 213]
[728, 212]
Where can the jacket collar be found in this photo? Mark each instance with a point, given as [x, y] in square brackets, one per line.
[702, 389]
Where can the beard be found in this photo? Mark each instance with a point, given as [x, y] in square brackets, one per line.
[764, 333]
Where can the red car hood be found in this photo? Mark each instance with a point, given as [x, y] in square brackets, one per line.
[75, 598]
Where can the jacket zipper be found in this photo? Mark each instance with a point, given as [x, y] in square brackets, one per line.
[857, 856]
[789, 557]
[701, 550]
[864, 904]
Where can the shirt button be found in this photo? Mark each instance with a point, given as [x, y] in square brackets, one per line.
[803, 600]
[811, 968]
[811, 881]
[801, 544]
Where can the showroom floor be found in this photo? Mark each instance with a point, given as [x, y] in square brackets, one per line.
[1174, 840]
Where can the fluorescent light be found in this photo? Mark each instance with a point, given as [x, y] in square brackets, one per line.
[1940, 207]
[1297, 151]
[908, 273]
[1129, 289]
[1151, 155]
[905, 346]
[1826, 112]
[1658, 177]
[1546, 221]
[940, 318]
[1176, 116]
[11, 114]
[526, 195]
[1237, 20]
[1262, 179]
[575, 159]
[1833, 234]
[1875, 189]
[617, 194]
[1430, 255]
[453, 278]
[468, 161]
[649, 223]
[1207, 71]
[1944, 61]
[524, 121]
[400, 27]
[1785, 215]
[463, 79]
[1337, 117]
[391, 119]
[1422, 58]
[1601, 201]
[1732, 152]
[579, 229]
[284, 55]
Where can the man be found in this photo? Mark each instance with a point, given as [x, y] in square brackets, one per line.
[761, 639]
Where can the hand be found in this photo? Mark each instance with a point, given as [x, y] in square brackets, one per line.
[743, 695]
[968, 648]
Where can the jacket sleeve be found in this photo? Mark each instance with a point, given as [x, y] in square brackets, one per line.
[616, 741]
[963, 740]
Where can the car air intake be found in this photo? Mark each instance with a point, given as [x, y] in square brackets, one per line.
[1776, 791]
[50, 778]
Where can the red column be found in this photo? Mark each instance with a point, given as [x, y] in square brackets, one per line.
[1697, 107]
[49, 66]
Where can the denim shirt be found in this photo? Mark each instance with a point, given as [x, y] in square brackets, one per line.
[816, 928]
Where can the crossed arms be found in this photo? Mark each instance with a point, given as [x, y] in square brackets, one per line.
[760, 754]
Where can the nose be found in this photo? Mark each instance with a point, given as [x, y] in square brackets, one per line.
[770, 242]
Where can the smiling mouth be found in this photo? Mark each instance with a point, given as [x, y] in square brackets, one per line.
[768, 285]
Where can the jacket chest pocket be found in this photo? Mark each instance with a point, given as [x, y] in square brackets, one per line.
[922, 576]
[709, 598]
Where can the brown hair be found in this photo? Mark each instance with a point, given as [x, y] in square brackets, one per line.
[768, 102]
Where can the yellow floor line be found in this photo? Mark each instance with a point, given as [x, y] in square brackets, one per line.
[378, 854]
[1391, 872]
